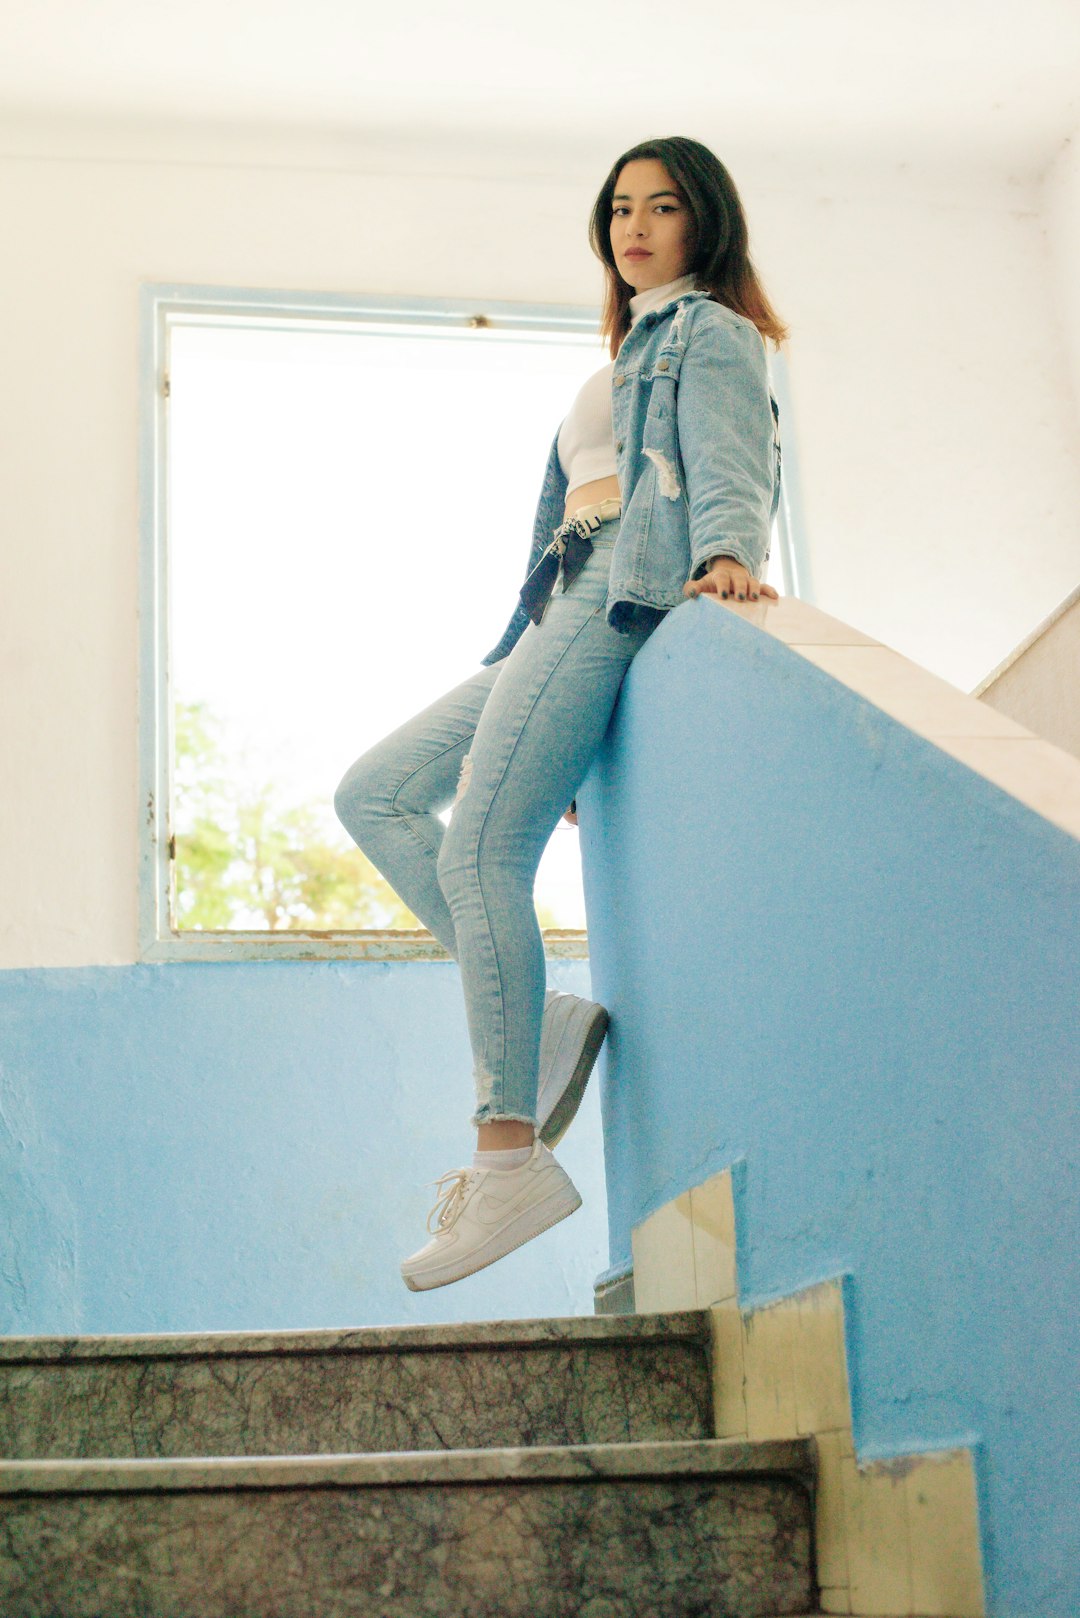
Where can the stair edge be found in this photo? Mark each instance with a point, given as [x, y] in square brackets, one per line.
[657, 1458]
[683, 1325]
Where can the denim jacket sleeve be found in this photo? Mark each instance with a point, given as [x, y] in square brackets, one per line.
[725, 432]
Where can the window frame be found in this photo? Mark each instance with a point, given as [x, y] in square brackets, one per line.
[162, 306]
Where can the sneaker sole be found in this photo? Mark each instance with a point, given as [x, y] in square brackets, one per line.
[562, 1115]
[499, 1245]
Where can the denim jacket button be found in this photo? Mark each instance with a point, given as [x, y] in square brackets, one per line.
[661, 365]
[619, 447]
[619, 380]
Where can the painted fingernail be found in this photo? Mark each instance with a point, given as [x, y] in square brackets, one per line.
[723, 595]
[741, 596]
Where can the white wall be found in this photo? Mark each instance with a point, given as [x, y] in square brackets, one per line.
[1039, 686]
[1060, 206]
[935, 403]
[935, 415]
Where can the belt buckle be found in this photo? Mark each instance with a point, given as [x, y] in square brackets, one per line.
[587, 526]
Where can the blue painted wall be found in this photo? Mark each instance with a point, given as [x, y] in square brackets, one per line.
[249, 1146]
[841, 961]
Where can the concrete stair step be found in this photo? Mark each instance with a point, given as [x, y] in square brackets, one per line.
[574, 1380]
[674, 1529]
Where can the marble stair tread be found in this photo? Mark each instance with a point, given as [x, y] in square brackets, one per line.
[710, 1457]
[579, 1380]
[716, 1527]
[685, 1324]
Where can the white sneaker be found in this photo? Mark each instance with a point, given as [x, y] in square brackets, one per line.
[570, 1039]
[485, 1213]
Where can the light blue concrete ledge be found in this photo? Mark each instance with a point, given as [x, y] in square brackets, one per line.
[837, 954]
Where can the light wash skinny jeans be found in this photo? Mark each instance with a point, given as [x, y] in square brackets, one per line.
[514, 742]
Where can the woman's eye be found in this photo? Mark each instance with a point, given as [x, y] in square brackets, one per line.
[663, 207]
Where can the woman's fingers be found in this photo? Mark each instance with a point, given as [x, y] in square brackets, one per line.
[740, 584]
[730, 580]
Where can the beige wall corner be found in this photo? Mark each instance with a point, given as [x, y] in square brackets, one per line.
[822, 1399]
[663, 1250]
[728, 1373]
[943, 1525]
[712, 1223]
[897, 1537]
[769, 1370]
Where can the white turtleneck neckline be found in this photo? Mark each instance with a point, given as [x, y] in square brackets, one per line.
[654, 297]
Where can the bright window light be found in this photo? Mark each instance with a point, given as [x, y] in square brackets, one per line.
[350, 509]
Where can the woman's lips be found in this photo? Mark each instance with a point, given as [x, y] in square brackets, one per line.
[638, 253]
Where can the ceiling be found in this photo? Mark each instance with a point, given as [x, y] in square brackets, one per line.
[991, 79]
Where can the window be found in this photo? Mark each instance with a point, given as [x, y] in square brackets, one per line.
[318, 476]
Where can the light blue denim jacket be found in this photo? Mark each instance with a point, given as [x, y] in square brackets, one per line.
[697, 454]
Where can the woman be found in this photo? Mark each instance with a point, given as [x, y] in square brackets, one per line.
[661, 483]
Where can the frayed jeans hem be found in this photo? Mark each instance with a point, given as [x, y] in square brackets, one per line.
[484, 1115]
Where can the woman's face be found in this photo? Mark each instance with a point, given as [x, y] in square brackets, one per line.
[651, 225]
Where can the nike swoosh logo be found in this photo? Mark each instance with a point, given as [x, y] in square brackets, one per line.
[491, 1211]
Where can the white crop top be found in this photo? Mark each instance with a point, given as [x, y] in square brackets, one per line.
[586, 440]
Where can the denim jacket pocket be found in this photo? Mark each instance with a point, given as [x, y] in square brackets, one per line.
[662, 396]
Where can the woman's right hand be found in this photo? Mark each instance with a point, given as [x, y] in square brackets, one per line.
[727, 577]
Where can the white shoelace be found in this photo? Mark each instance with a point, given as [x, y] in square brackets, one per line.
[450, 1202]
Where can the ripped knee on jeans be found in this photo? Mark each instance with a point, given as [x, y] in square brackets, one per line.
[464, 778]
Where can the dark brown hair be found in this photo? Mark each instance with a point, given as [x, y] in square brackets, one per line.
[719, 257]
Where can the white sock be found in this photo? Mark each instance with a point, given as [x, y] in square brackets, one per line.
[511, 1159]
